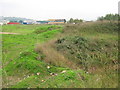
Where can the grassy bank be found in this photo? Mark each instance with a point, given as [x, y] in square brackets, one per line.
[19, 57]
[92, 47]
[54, 56]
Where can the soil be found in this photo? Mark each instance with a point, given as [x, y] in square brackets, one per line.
[8, 33]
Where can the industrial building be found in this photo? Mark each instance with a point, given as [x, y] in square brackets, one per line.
[56, 21]
[52, 21]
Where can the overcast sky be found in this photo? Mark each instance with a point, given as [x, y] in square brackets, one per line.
[58, 9]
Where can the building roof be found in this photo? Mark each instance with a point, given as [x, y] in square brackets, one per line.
[56, 19]
[13, 23]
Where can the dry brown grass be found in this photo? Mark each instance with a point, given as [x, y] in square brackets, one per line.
[54, 57]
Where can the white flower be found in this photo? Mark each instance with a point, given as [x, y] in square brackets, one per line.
[48, 67]
[42, 80]
[38, 73]
[51, 73]
[87, 72]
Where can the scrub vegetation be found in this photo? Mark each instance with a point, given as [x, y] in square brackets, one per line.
[83, 55]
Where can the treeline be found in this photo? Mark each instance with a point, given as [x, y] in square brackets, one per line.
[75, 21]
[110, 17]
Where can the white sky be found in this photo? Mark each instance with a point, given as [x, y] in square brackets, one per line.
[53, 9]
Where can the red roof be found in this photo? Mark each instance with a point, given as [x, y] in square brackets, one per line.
[13, 23]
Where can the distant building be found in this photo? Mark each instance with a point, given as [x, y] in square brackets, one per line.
[24, 23]
[42, 22]
[28, 22]
[52, 21]
[13, 23]
[56, 21]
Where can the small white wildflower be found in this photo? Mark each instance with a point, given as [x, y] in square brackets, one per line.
[38, 73]
[42, 80]
[48, 67]
[51, 73]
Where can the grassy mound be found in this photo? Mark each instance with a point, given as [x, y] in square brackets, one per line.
[88, 53]
[19, 57]
[81, 56]
[45, 28]
[70, 79]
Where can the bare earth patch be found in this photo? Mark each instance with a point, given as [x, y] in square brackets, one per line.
[8, 33]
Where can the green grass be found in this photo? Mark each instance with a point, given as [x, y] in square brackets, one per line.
[89, 48]
[28, 29]
[47, 28]
[21, 29]
[14, 44]
[94, 48]
[70, 79]
[18, 50]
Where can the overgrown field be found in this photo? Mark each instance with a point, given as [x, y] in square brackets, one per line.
[84, 55]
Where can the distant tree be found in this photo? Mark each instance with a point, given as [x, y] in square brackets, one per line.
[71, 20]
[80, 20]
[75, 20]
[110, 17]
[101, 18]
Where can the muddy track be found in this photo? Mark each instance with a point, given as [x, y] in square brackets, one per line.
[8, 33]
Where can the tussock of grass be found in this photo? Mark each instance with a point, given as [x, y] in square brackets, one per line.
[51, 56]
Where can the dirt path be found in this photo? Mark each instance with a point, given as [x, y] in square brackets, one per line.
[8, 33]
